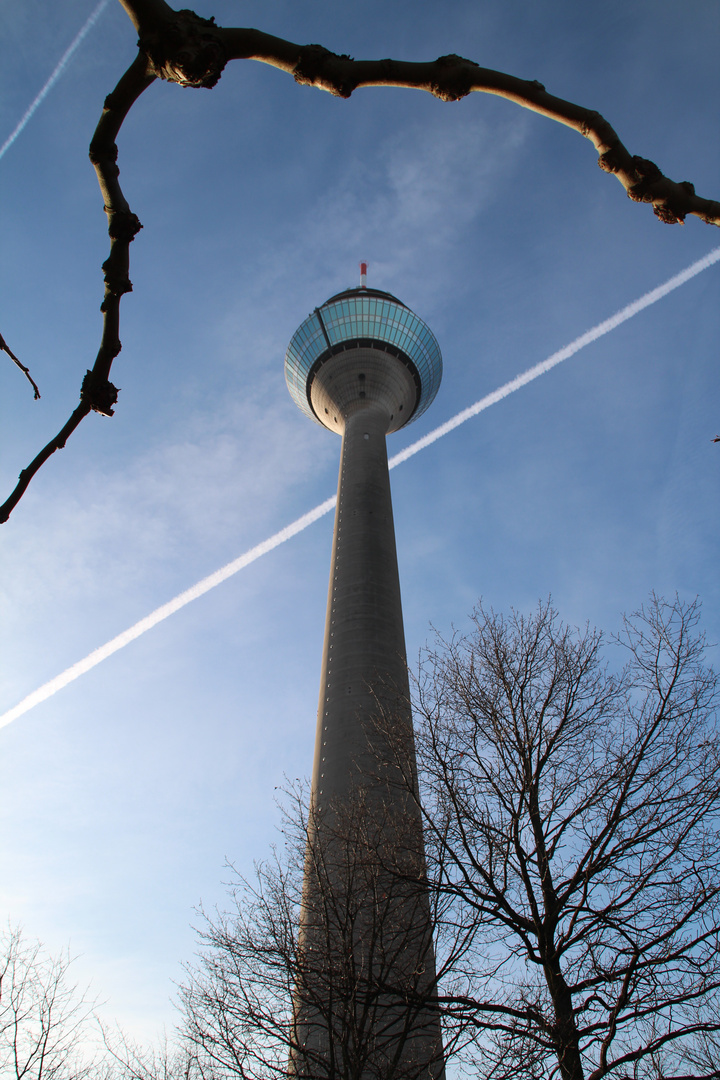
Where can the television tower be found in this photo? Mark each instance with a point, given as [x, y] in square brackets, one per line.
[363, 365]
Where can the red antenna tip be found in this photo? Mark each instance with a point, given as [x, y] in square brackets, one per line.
[363, 275]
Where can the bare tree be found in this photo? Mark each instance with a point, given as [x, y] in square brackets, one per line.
[262, 992]
[572, 817]
[184, 48]
[128, 1060]
[43, 1015]
[572, 820]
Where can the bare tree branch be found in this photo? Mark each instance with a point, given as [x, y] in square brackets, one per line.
[182, 47]
[97, 392]
[4, 347]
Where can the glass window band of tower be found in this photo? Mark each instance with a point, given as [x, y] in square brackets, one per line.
[363, 316]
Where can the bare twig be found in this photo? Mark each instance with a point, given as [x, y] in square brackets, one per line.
[6, 348]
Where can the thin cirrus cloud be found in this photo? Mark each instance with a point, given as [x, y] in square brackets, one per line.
[300, 524]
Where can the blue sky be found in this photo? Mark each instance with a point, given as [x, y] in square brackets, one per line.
[123, 795]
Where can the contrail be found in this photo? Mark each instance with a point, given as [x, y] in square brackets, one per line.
[62, 64]
[156, 616]
[567, 351]
[323, 508]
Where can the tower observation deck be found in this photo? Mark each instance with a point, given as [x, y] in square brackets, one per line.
[364, 365]
[363, 336]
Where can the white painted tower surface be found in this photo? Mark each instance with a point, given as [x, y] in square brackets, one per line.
[364, 365]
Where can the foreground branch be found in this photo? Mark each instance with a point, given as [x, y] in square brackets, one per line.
[451, 78]
[182, 47]
[4, 347]
[97, 393]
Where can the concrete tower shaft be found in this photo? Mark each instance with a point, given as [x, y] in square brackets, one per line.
[364, 667]
[364, 365]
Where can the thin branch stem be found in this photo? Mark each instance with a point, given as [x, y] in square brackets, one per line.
[4, 347]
